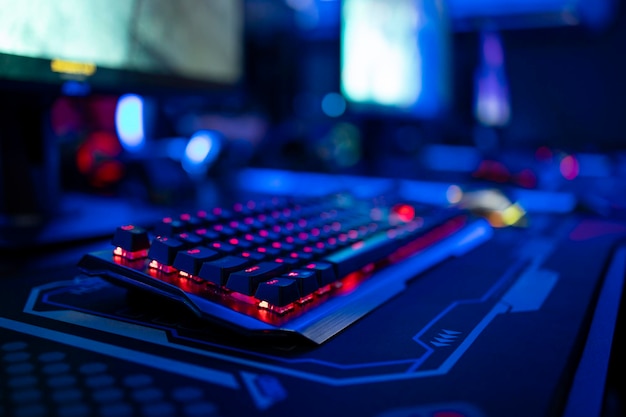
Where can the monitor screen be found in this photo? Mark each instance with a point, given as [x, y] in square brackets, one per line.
[122, 43]
[394, 56]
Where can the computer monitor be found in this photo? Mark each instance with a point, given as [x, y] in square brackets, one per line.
[122, 44]
[395, 57]
[75, 47]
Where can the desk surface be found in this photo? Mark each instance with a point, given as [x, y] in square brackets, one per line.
[501, 330]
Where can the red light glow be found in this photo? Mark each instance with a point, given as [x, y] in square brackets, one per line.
[161, 267]
[405, 212]
[130, 255]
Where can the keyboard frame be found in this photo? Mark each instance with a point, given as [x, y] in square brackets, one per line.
[317, 324]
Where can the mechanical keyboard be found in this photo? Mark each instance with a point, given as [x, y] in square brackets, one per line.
[307, 266]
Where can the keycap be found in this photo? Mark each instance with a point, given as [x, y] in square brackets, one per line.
[278, 291]
[253, 255]
[169, 227]
[189, 239]
[324, 271]
[356, 255]
[306, 280]
[191, 222]
[223, 247]
[191, 260]
[207, 235]
[217, 271]
[246, 281]
[131, 238]
[164, 249]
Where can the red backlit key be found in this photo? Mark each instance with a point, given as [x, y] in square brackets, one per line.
[306, 280]
[246, 281]
[207, 235]
[268, 251]
[253, 255]
[217, 271]
[223, 247]
[224, 231]
[131, 238]
[189, 239]
[191, 260]
[324, 271]
[191, 222]
[164, 250]
[278, 291]
[169, 227]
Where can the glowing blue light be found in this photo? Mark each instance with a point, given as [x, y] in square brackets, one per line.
[129, 122]
[198, 148]
[201, 150]
[333, 105]
[492, 105]
[75, 88]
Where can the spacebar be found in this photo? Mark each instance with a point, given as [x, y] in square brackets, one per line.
[359, 254]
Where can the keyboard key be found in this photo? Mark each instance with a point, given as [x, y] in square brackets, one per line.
[224, 231]
[207, 235]
[324, 271]
[131, 238]
[240, 243]
[306, 279]
[268, 251]
[191, 260]
[164, 250]
[254, 255]
[290, 262]
[169, 227]
[357, 255]
[217, 271]
[278, 291]
[247, 280]
[191, 222]
[223, 247]
[189, 239]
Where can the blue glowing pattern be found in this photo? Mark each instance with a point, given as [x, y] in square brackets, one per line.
[129, 122]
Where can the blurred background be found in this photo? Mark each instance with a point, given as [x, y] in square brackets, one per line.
[160, 105]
